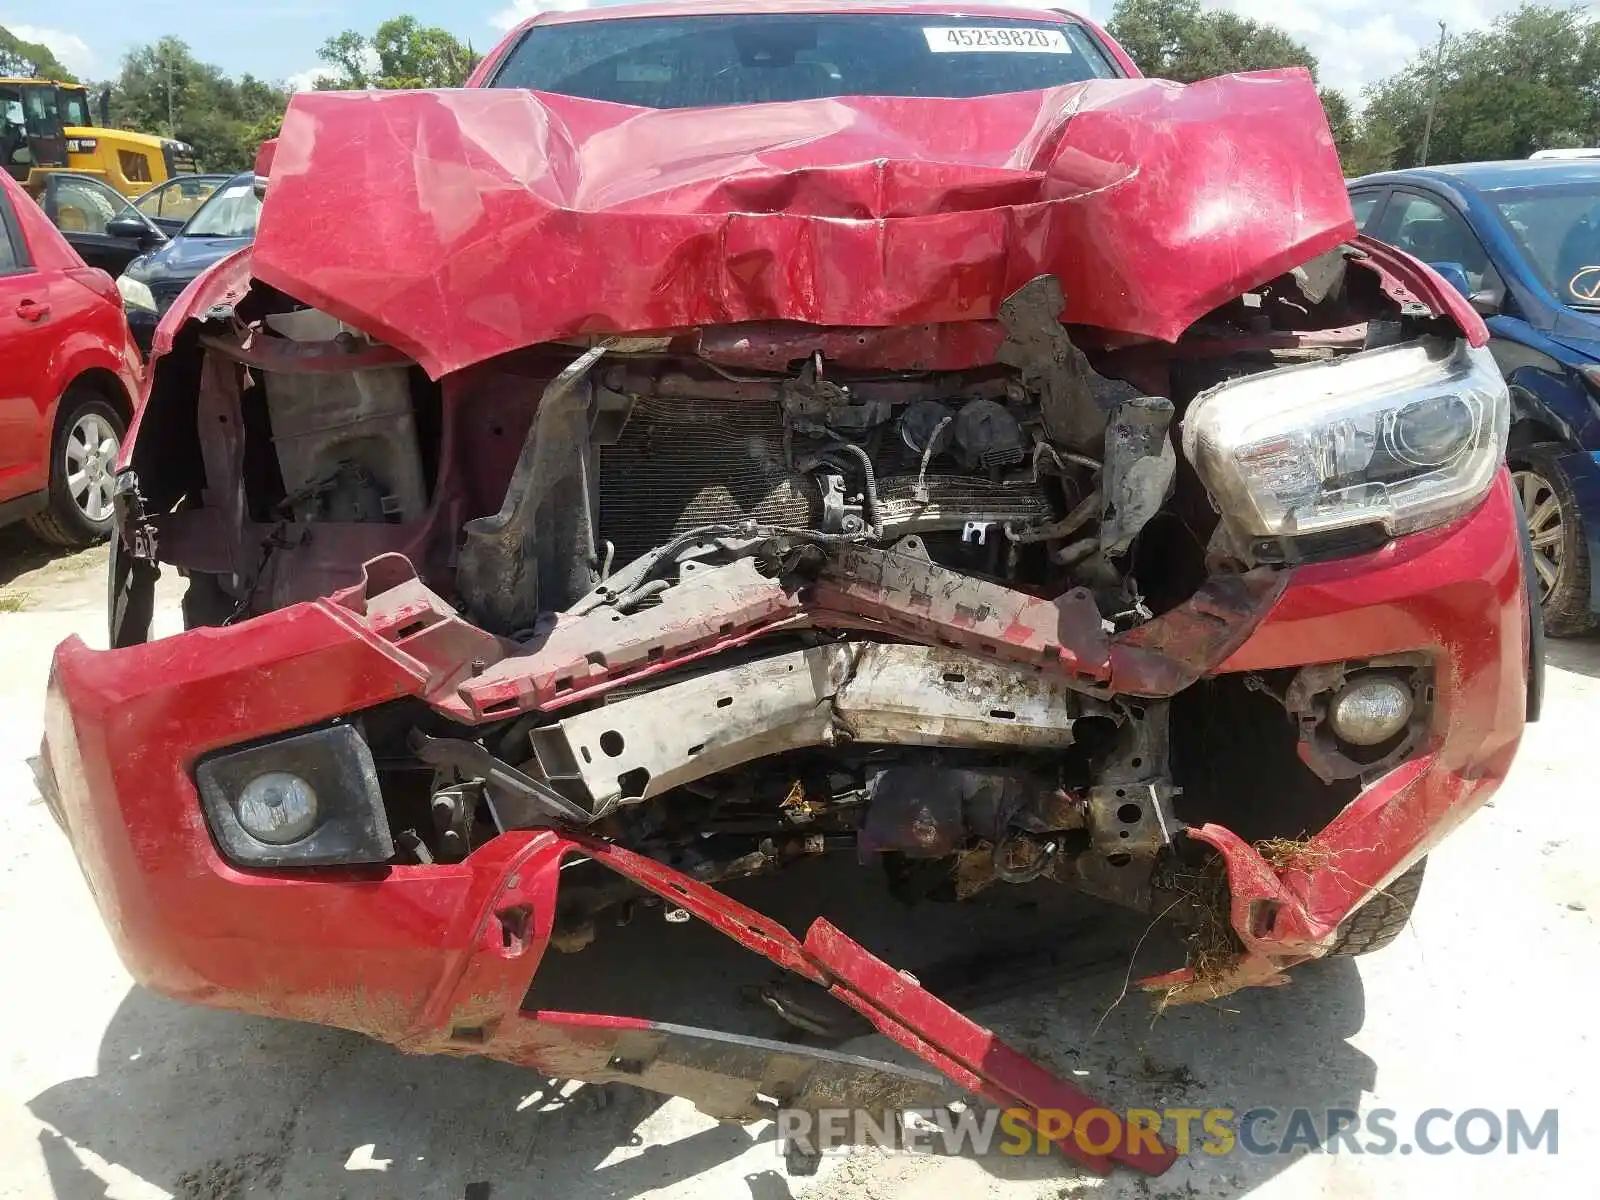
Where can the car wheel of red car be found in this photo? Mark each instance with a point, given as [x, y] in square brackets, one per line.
[1379, 921]
[83, 460]
[1560, 547]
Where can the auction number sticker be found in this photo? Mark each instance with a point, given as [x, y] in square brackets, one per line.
[954, 40]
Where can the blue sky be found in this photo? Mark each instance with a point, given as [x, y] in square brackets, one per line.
[1357, 41]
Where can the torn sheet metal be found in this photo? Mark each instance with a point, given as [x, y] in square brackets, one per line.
[1038, 346]
[528, 216]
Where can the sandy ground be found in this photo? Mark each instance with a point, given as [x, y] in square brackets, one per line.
[1488, 1002]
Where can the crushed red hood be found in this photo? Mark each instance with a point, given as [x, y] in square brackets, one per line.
[458, 225]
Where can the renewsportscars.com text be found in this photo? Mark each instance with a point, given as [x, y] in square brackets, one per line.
[1214, 1131]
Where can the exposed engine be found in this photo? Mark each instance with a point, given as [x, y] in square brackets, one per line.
[1037, 474]
[652, 481]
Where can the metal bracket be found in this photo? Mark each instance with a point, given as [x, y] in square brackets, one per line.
[518, 801]
[132, 521]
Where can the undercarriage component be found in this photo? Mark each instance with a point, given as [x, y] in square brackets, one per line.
[898, 1006]
[1129, 814]
[643, 746]
[518, 801]
[1130, 807]
[933, 810]
[732, 1077]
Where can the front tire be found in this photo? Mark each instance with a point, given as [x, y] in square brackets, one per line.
[1380, 920]
[1560, 543]
[83, 463]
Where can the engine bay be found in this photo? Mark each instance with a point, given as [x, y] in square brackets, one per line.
[769, 594]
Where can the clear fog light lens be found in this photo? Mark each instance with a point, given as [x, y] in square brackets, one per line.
[278, 808]
[1369, 712]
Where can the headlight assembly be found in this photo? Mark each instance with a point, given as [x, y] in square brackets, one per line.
[136, 294]
[311, 799]
[1389, 441]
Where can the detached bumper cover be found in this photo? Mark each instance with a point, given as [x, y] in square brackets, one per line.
[421, 956]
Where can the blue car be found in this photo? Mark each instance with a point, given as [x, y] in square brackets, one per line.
[1522, 241]
[225, 222]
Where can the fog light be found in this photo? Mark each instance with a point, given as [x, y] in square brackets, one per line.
[278, 808]
[1371, 710]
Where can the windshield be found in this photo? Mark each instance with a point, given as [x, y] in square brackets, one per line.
[691, 62]
[180, 199]
[75, 107]
[43, 114]
[1559, 231]
[231, 212]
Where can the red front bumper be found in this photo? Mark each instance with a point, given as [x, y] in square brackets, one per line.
[416, 955]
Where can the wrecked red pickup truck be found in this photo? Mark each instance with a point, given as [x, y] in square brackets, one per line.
[728, 435]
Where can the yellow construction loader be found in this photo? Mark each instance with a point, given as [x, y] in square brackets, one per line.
[48, 126]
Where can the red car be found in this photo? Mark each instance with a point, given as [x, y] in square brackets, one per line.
[741, 437]
[68, 378]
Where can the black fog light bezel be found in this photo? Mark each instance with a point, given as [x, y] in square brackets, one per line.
[352, 827]
[1313, 691]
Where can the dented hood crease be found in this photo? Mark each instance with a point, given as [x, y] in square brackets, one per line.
[458, 225]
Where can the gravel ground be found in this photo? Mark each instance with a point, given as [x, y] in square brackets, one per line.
[1486, 1002]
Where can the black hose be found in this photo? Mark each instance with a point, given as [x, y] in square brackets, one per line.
[869, 491]
[743, 529]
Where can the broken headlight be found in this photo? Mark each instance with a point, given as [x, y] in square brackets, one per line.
[311, 799]
[1387, 441]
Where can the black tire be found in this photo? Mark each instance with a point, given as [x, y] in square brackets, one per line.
[1541, 480]
[205, 603]
[1379, 921]
[65, 521]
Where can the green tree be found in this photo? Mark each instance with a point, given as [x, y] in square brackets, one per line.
[165, 89]
[1530, 82]
[33, 60]
[402, 53]
[1175, 39]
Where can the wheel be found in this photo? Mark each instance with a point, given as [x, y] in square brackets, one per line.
[1379, 921]
[206, 603]
[1560, 546]
[83, 462]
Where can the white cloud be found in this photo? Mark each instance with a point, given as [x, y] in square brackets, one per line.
[1358, 42]
[520, 10]
[305, 81]
[71, 49]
